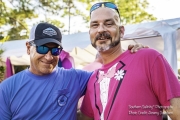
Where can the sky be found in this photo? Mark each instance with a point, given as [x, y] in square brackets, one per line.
[164, 9]
[161, 9]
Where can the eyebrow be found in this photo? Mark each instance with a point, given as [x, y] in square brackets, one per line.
[106, 20]
[109, 20]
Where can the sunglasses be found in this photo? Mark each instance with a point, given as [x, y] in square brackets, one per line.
[105, 4]
[44, 49]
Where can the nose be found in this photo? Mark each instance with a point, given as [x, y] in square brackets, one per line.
[101, 28]
[49, 56]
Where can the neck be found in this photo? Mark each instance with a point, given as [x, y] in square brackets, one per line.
[111, 54]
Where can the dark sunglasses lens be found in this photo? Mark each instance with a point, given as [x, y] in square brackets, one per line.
[45, 50]
[55, 51]
[42, 49]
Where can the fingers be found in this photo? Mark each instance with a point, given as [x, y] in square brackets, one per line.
[145, 46]
[130, 46]
[136, 47]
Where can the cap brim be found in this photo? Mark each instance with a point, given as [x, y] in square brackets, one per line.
[46, 40]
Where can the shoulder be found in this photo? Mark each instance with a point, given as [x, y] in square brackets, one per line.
[15, 76]
[92, 66]
[146, 53]
[12, 81]
[73, 71]
[145, 56]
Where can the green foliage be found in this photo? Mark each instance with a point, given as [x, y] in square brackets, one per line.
[20, 68]
[15, 18]
[2, 68]
[132, 11]
[15, 14]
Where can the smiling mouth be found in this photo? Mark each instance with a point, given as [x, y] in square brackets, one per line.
[46, 63]
[103, 38]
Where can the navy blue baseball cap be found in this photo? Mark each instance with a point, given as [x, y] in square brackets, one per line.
[43, 33]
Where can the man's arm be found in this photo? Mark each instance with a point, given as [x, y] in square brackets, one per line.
[81, 116]
[5, 113]
[174, 110]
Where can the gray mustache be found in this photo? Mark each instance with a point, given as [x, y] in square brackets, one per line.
[104, 34]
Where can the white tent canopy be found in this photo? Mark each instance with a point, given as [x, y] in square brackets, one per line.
[163, 36]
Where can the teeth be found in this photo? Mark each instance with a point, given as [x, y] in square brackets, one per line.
[102, 38]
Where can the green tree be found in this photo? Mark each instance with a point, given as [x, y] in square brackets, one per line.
[2, 64]
[131, 11]
[2, 67]
[14, 17]
[16, 14]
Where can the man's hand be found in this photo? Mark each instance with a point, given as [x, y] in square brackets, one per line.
[136, 47]
[174, 110]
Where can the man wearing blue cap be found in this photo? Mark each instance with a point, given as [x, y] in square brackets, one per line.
[43, 91]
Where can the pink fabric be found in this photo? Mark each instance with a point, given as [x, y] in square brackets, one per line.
[148, 83]
[9, 71]
[90, 67]
[67, 60]
[93, 66]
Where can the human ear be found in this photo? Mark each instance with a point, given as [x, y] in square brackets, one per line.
[28, 46]
[121, 28]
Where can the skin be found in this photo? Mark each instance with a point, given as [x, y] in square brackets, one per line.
[104, 20]
[41, 64]
[107, 23]
[174, 110]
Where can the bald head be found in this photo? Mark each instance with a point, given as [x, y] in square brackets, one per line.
[105, 13]
[105, 30]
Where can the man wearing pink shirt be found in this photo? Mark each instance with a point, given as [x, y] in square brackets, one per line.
[127, 86]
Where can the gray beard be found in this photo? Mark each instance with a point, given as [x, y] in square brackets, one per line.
[103, 47]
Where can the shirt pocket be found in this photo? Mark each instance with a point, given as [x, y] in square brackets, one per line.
[60, 100]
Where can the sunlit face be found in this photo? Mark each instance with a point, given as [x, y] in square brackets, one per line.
[42, 64]
[105, 30]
